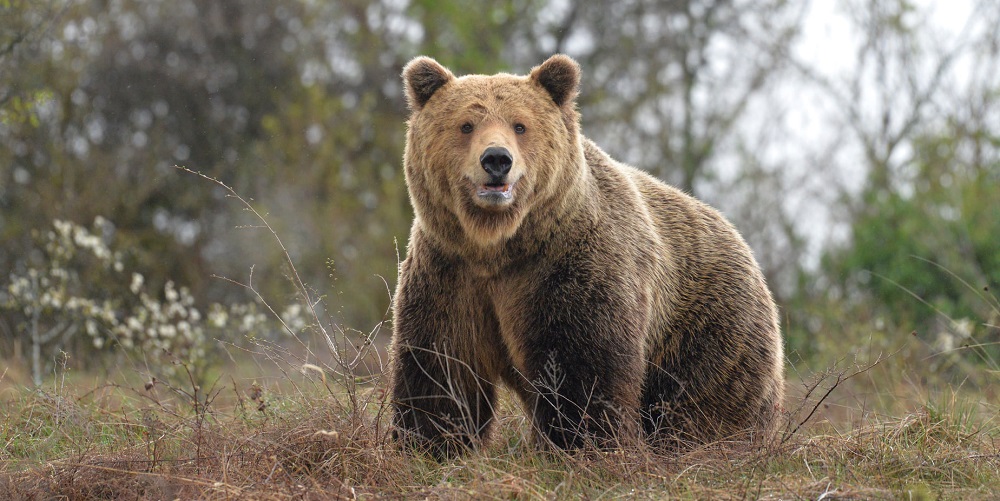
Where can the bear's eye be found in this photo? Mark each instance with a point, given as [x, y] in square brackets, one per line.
[519, 129]
[466, 128]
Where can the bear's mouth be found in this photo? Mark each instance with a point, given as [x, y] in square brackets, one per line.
[498, 193]
[505, 190]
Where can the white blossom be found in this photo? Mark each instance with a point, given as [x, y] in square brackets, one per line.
[134, 325]
[218, 317]
[292, 317]
[167, 330]
[170, 292]
[152, 323]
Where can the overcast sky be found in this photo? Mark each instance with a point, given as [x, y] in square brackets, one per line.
[829, 45]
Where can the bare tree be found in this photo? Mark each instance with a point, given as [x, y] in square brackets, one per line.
[894, 127]
[906, 78]
[669, 82]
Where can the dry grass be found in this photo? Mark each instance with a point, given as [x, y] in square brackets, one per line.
[868, 432]
[305, 439]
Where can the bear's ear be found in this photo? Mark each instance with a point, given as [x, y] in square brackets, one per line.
[560, 76]
[422, 77]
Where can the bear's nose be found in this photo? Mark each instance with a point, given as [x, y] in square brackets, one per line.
[496, 161]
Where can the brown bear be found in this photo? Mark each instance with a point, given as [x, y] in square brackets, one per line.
[613, 305]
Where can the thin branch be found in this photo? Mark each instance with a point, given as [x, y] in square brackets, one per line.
[299, 284]
[842, 377]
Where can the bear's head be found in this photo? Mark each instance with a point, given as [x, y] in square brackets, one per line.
[482, 152]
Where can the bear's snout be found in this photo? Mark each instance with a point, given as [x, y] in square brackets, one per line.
[496, 161]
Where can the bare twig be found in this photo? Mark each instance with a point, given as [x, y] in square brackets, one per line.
[841, 377]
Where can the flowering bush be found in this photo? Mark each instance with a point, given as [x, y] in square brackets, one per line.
[75, 295]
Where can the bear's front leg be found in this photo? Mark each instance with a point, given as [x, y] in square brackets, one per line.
[584, 357]
[439, 403]
[441, 390]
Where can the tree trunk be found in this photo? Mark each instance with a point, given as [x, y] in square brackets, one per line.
[36, 351]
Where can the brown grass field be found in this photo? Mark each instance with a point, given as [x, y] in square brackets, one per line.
[862, 432]
[918, 424]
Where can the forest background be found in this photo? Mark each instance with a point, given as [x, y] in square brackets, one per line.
[855, 144]
[202, 211]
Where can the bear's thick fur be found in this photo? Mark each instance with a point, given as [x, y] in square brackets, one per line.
[613, 305]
